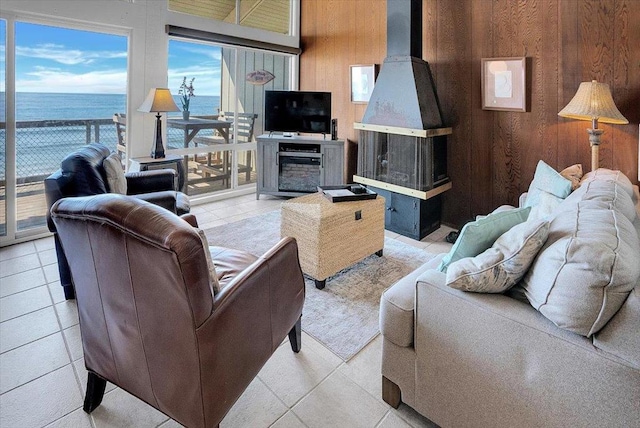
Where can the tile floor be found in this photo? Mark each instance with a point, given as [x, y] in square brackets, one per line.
[42, 374]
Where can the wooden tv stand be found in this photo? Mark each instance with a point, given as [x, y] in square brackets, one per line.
[320, 162]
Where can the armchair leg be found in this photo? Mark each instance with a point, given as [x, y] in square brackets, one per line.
[64, 271]
[391, 393]
[295, 336]
[95, 392]
[69, 292]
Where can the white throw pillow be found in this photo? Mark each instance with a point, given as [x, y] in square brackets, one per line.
[213, 276]
[590, 263]
[504, 264]
[115, 175]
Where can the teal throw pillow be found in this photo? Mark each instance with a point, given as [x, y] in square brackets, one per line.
[477, 236]
[547, 180]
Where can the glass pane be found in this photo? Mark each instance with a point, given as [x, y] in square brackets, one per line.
[272, 15]
[200, 62]
[69, 83]
[197, 65]
[3, 133]
[251, 95]
[246, 167]
[208, 172]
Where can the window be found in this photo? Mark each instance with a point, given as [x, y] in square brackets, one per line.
[229, 85]
[68, 84]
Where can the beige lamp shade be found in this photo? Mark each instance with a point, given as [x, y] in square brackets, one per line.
[158, 100]
[593, 101]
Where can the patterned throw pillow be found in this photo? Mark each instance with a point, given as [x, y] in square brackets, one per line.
[213, 276]
[477, 236]
[504, 264]
[115, 175]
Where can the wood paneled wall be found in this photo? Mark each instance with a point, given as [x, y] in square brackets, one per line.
[493, 155]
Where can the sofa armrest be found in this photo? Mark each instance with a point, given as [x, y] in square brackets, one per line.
[190, 218]
[522, 199]
[151, 181]
[251, 317]
[54, 190]
[397, 305]
[482, 353]
[620, 335]
[166, 199]
[283, 281]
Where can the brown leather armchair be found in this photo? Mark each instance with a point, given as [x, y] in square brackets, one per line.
[149, 320]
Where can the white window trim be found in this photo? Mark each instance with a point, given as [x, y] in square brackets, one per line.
[210, 25]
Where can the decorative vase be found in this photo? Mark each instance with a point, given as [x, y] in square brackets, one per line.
[185, 114]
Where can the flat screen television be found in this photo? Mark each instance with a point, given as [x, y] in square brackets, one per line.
[297, 111]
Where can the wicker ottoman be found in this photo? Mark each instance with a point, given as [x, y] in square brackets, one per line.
[333, 235]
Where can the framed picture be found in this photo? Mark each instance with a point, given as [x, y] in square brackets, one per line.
[362, 80]
[504, 84]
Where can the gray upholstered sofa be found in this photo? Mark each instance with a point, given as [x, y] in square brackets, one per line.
[467, 359]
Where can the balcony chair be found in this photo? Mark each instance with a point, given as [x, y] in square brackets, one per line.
[120, 120]
[246, 124]
[158, 322]
[83, 173]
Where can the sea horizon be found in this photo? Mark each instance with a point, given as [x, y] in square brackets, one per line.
[33, 106]
[40, 150]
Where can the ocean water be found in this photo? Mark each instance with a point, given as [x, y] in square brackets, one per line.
[49, 106]
[39, 150]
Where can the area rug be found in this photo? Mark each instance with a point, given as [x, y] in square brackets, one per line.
[344, 315]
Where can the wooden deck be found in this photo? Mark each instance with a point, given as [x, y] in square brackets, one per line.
[32, 205]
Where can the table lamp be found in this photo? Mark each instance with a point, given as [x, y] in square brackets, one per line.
[593, 102]
[159, 101]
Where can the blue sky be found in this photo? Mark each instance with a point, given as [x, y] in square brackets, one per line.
[52, 59]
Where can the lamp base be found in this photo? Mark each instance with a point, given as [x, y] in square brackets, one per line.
[157, 150]
[594, 140]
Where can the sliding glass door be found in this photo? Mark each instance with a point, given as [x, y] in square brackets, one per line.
[63, 86]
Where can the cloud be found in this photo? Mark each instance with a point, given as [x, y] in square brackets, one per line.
[207, 79]
[50, 79]
[54, 80]
[213, 53]
[62, 55]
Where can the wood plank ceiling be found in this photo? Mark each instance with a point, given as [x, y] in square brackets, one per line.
[271, 15]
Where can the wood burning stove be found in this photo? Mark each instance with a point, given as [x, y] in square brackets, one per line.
[402, 146]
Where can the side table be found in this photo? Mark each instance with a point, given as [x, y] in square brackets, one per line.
[333, 235]
[170, 161]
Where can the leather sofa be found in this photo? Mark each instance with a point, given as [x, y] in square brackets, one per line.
[156, 323]
[82, 173]
[466, 359]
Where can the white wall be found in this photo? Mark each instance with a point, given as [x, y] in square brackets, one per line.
[144, 22]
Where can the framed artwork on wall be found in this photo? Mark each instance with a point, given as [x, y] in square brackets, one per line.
[504, 84]
[362, 78]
